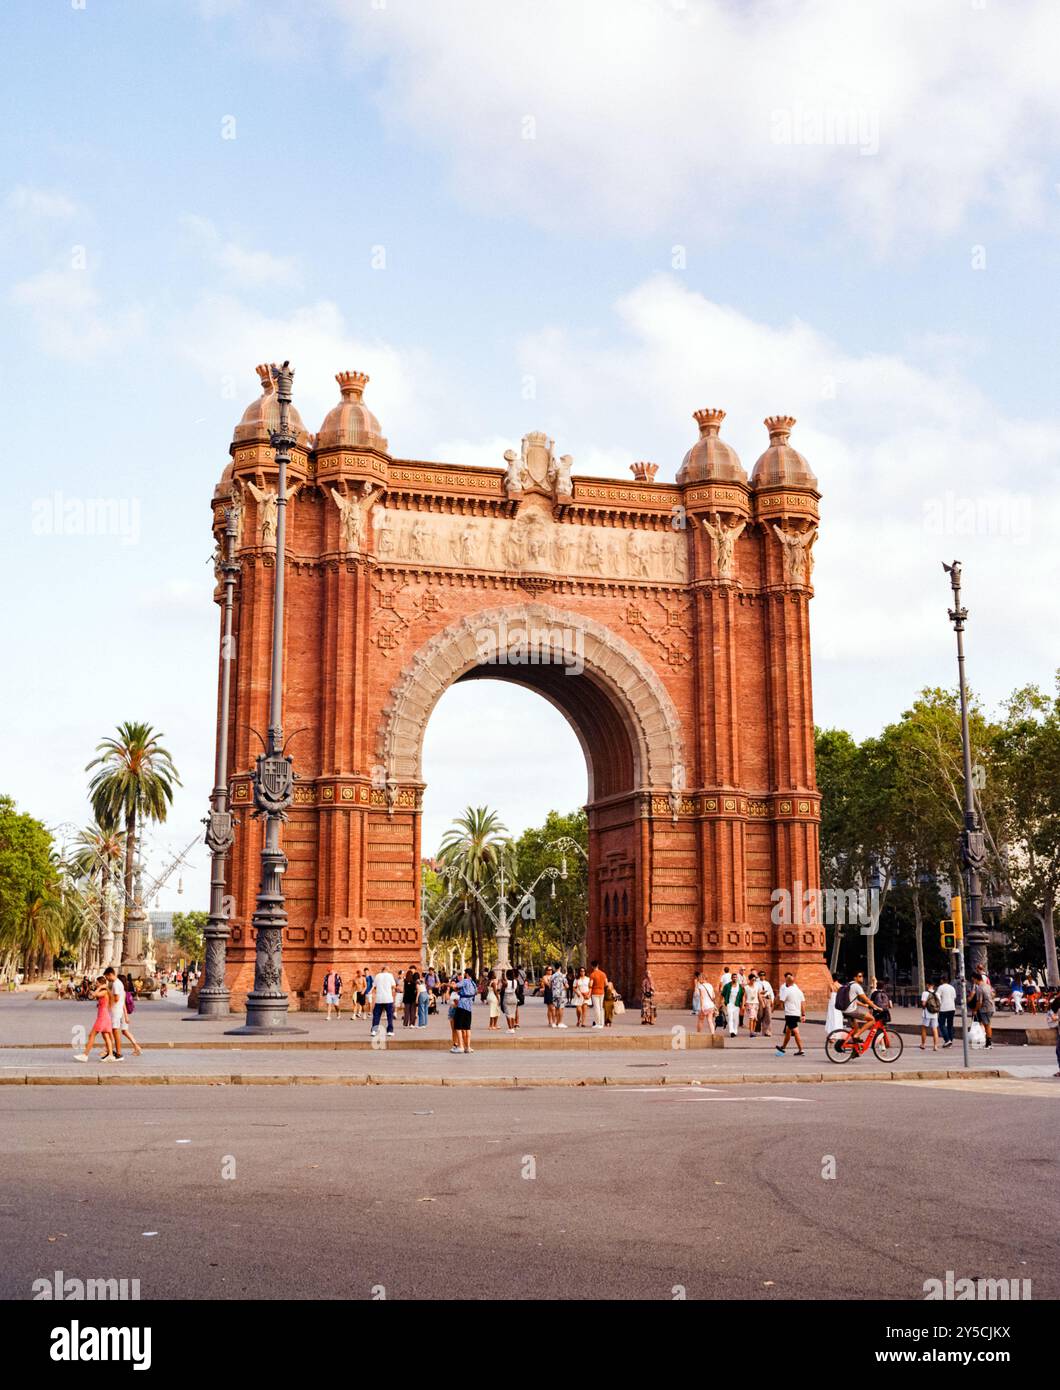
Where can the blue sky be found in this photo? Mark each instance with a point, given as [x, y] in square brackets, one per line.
[848, 213]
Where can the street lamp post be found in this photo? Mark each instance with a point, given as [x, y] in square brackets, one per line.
[504, 931]
[869, 932]
[267, 1003]
[214, 994]
[973, 847]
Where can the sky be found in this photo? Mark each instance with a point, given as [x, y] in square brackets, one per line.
[590, 217]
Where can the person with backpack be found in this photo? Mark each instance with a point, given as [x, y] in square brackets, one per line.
[881, 1002]
[929, 1018]
[855, 1005]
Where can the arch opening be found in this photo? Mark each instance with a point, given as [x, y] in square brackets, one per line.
[621, 715]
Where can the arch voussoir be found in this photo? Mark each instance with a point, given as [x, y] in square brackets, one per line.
[633, 685]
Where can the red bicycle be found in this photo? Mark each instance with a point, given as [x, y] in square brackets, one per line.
[840, 1046]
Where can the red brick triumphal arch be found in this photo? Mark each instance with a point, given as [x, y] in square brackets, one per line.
[668, 622]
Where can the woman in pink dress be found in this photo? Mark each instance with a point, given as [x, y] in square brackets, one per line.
[102, 1023]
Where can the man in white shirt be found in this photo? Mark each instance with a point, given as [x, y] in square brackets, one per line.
[794, 1002]
[116, 992]
[947, 1008]
[383, 987]
[858, 1011]
[931, 1006]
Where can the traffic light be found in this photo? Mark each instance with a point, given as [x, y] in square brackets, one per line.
[958, 917]
[952, 929]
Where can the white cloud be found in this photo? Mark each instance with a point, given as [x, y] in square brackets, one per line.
[68, 318]
[40, 203]
[224, 337]
[244, 266]
[914, 465]
[651, 114]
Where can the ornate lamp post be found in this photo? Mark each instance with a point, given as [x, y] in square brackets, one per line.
[274, 775]
[973, 847]
[214, 994]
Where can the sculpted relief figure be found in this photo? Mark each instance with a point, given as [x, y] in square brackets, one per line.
[533, 540]
[593, 554]
[418, 541]
[559, 479]
[268, 506]
[639, 555]
[239, 507]
[513, 544]
[513, 477]
[723, 543]
[561, 549]
[351, 519]
[537, 543]
[465, 546]
[385, 540]
[798, 560]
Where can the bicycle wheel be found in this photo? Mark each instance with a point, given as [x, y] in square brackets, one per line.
[835, 1048]
[887, 1045]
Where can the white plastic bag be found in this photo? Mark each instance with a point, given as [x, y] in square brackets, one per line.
[976, 1035]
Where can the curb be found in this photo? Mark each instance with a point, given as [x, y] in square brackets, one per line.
[505, 1082]
[652, 1042]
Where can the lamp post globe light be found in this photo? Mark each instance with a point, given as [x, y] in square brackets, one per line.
[973, 842]
[267, 1003]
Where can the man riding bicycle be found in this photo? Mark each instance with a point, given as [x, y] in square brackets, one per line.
[858, 1009]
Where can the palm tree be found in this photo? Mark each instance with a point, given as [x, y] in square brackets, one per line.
[96, 858]
[134, 781]
[476, 846]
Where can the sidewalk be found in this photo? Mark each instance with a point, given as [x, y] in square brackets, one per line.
[38, 1041]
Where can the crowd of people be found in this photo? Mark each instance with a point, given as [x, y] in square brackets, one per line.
[375, 995]
[1025, 994]
[68, 987]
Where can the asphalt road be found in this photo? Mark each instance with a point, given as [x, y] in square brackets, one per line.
[504, 1194]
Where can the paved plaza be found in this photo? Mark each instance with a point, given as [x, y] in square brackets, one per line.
[37, 1038]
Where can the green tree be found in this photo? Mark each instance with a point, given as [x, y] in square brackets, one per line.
[839, 777]
[189, 933]
[474, 849]
[29, 922]
[133, 781]
[1027, 764]
[911, 824]
[561, 908]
